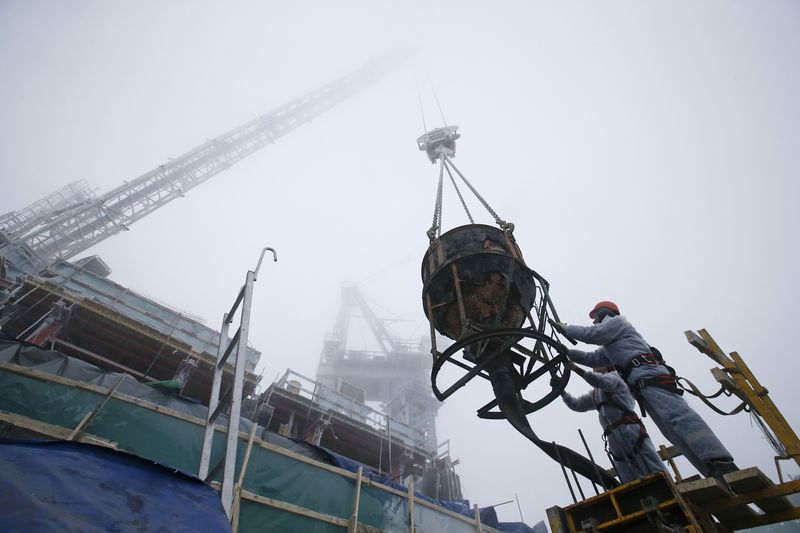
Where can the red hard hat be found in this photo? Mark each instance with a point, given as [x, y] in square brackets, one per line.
[605, 303]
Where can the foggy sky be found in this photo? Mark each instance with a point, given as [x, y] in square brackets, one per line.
[647, 153]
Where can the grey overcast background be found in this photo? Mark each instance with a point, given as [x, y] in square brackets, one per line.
[647, 153]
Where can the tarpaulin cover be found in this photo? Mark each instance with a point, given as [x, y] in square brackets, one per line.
[56, 363]
[70, 486]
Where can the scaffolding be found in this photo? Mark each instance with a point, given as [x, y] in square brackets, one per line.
[73, 309]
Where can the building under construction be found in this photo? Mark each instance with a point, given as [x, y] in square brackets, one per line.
[81, 332]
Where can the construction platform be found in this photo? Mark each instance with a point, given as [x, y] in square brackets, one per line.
[656, 503]
[75, 309]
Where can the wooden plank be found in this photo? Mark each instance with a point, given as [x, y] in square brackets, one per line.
[753, 479]
[356, 501]
[51, 430]
[709, 491]
[790, 487]
[296, 509]
[91, 414]
[477, 513]
[411, 499]
[237, 488]
[703, 491]
[667, 454]
[764, 519]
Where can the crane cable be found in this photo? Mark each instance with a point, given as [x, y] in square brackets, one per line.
[421, 110]
[436, 97]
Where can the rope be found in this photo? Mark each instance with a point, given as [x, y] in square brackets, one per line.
[693, 390]
[500, 222]
[433, 233]
[458, 191]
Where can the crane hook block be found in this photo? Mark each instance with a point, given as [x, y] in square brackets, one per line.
[439, 142]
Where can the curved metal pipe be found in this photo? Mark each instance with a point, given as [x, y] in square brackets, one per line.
[261, 258]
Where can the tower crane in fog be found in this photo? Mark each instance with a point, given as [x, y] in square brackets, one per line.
[72, 220]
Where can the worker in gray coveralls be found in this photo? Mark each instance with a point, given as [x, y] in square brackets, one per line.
[622, 347]
[623, 431]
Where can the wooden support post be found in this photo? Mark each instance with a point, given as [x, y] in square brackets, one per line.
[411, 506]
[478, 525]
[353, 527]
[665, 454]
[91, 414]
[237, 489]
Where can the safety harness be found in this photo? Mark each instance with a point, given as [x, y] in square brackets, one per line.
[664, 381]
[628, 417]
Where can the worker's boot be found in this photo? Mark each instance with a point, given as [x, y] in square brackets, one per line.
[719, 468]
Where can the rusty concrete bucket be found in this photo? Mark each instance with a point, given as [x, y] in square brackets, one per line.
[474, 279]
[478, 291]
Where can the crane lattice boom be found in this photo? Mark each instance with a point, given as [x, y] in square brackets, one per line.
[88, 223]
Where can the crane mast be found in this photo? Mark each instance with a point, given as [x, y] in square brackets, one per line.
[41, 239]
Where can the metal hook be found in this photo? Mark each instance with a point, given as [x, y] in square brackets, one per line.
[261, 258]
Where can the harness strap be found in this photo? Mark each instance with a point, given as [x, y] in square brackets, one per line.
[664, 381]
[639, 360]
[624, 420]
[627, 419]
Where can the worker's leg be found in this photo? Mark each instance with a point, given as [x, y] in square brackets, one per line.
[618, 447]
[643, 459]
[649, 459]
[684, 428]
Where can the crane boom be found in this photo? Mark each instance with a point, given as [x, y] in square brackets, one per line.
[16, 223]
[88, 223]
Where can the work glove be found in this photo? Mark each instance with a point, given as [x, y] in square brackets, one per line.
[560, 327]
[575, 368]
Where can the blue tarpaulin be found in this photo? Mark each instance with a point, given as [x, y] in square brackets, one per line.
[70, 486]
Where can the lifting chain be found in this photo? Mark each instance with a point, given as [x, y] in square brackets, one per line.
[436, 225]
[435, 230]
